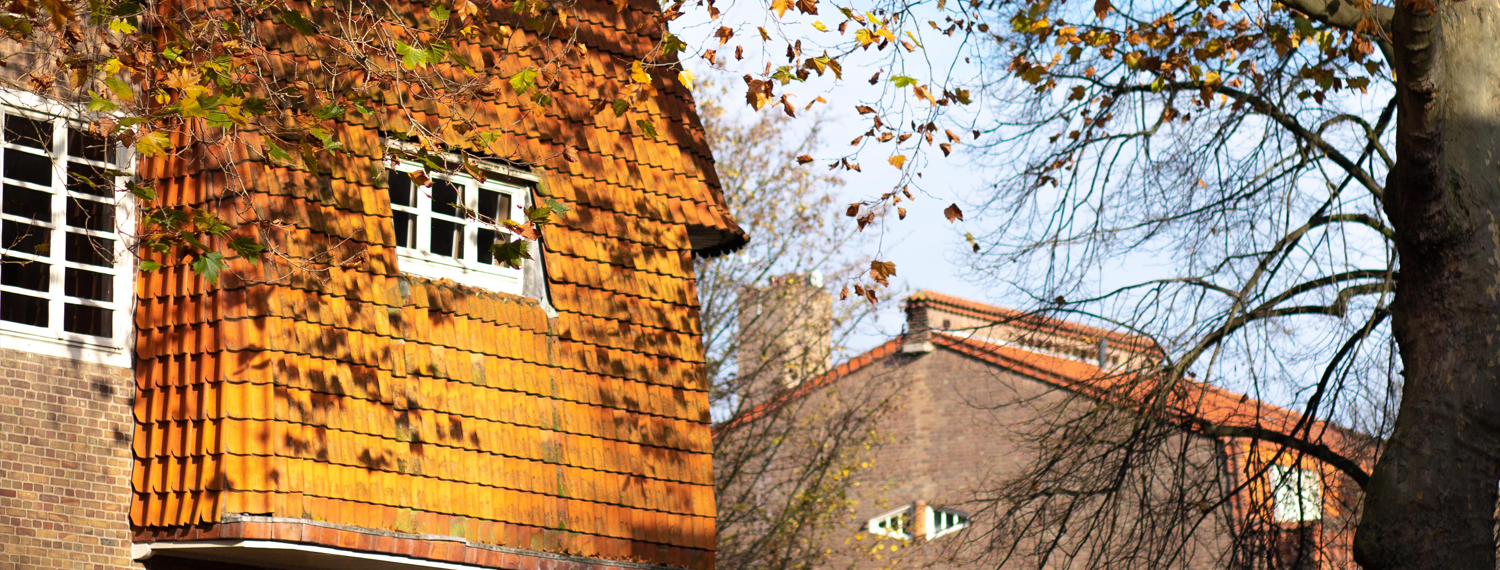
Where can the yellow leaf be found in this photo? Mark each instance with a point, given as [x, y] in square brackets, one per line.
[686, 77]
[152, 144]
[781, 6]
[820, 27]
[638, 74]
[898, 161]
[112, 66]
[921, 93]
[765, 37]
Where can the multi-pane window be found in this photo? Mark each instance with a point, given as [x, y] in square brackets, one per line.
[1296, 494]
[944, 521]
[64, 273]
[446, 229]
[893, 524]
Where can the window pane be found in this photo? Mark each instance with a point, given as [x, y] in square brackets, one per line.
[444, 197]
[90, 179]
[26, 274]
[23, 309]
[486, 241]
[28, 167]
[90, 250]
[26, 202]
[91, 215]
[85, 145]
[406, 229]
[401, 189]
[88, 284]
[25, 238]
[447, 239]
[24, 131]
[88, 320]
[494, 205]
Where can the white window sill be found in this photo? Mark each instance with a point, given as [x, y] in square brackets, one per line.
[79, 350]
[420, 264]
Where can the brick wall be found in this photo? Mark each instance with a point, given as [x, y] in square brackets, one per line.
[65, 463]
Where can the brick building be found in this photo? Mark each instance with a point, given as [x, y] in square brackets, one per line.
[977, 393]
[410, 404]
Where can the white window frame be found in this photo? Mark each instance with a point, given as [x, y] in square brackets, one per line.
[52, 340]
[931, 520]
[1296, 494]
[469, 270]
[875, 525]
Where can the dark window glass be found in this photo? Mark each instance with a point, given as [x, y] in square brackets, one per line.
[90, 179]
[447, 239]
[28, 167]
[88, 320]
[494, 205]
[25, 238]
[90, 250]
[92, 215]
[405, 228]
[33, 275]
[444, 197]
[23, 309]
[28, 132]
[401, 189]
[84, 145]
[88, 284]
[33, 204]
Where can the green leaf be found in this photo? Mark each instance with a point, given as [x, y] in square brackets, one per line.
[620, 106]
[439, 13]
[248, 248]
[298, 22]
[538, 214]
[329, 112]
[122, 26]
[152, 144]
[558, 208]
[903, 81]
[671, 44]
[120, 88]
[143, 192]
[254, 106]
[363, 110]
[523, 81]
[510, 253]
[148, 265]
[171, 54]
[210, 223]
[209, 265]
[411, 57]
[276, 153]
[647, 127]
[101, 105]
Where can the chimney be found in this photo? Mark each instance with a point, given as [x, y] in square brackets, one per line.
[785, 335]
[918, 330]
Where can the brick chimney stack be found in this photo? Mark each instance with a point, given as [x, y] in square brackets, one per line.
[786, 335]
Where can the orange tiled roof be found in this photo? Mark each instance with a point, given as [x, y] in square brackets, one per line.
[363, 397]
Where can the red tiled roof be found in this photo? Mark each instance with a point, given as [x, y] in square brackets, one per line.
[1028, 320]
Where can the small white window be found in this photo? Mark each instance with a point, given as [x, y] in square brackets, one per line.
[1296, 494]
[446, 230]
[942, 521]
[65, 274]
[894, 524]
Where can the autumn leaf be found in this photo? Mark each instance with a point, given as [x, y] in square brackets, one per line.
[152, 144]
[638, 74]
[922, 93]
[852, 210]
[686, 78]
[881, 271]
[844, 293]
[863, 110]
[781, 6]
[953, 213]
[804, 159]
[900, 213]
[898, 161]
[947, 148]
[723, 34]
[809, 7]
[1101, 8]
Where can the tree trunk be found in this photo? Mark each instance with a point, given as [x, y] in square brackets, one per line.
[1431, 499]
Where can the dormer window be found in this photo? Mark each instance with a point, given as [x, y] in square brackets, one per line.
[893, 524]
[937, 522]
[445, 230]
